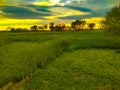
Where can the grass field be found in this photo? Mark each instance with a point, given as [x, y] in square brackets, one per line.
[89, 69]
[59, 61]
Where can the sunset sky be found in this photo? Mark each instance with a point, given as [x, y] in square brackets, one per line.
[23, 13]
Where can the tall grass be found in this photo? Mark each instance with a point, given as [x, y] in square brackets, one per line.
[22, 59]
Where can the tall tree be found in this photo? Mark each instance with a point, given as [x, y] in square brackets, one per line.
[51, 26]
[91, 25]
[12, 29]
[34, 28]
[82, 24]
[45, 26]
[112, 21]
[78, 24]
[73, 24]
[59, 27]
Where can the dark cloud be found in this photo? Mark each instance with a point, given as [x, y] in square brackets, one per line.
[78, 8]
[25, 13]
[92, 14]
[40, 8]
[25, 9]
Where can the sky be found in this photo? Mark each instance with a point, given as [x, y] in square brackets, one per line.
[23, 13]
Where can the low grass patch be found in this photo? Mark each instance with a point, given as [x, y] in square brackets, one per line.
[89, 69]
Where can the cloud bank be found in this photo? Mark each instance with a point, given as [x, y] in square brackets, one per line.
[46, 11]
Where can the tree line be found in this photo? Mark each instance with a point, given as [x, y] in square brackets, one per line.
[76, 25]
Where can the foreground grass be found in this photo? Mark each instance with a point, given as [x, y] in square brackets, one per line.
[19, 59]
[89, 69]
[21, 54]
[39, 37]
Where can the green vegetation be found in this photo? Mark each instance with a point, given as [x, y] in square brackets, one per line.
[89, 69]
[20, 59]
[112, 25]
[112, 22]
[59, 57]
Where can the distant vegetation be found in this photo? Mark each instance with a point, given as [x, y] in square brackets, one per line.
[77, 25]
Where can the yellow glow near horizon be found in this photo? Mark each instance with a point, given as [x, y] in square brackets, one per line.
[26, 23]
[19, 21]
[96, 20]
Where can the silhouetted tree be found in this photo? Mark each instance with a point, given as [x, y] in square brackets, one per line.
[40, 28]
[51, 26]
[45, 26]
[34, 28]
[73, 24]
[57, 28]
[19, 30]
[12, 29]
[82, 24]
[91, 25]
[112, 21]
[63, 27]
[78, 24]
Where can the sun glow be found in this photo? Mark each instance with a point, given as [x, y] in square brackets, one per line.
[96, 20]
[42, 3]
[17, 23]
[54, 1]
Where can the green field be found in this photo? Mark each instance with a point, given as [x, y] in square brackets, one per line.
[84, 60]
